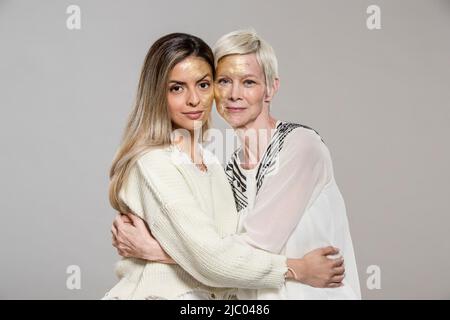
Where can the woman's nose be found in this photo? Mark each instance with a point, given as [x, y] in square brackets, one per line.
[193, 99]
[235, 92]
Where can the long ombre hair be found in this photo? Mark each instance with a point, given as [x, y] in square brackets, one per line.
[149, 123]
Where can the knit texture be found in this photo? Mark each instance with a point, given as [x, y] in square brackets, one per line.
[193, 216]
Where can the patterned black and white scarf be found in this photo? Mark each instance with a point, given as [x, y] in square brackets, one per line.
[267, 164]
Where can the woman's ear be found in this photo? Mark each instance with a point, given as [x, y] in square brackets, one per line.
[272, 91]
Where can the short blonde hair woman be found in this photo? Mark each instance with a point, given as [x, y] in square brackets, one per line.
[245, 42]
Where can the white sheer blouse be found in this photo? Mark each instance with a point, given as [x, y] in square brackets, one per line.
[295, 209]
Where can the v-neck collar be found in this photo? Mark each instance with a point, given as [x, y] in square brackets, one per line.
[239, 153]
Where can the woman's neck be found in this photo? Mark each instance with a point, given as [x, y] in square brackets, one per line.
[190, 145]
[255, 137]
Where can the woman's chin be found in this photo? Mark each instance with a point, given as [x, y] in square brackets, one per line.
[191, 125]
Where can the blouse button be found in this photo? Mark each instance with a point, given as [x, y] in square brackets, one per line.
[213, 296]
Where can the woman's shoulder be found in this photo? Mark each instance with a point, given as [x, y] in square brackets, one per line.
[154, 161]
[155, 155]
[303, 139]
[157, 168]
[305, 145]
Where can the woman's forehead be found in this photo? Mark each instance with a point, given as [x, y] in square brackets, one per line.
[191, 67]
[239, 65]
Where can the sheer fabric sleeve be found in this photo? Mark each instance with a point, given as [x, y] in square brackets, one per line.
[304, 168]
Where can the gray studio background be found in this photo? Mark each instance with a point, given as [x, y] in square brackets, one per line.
[380, 99]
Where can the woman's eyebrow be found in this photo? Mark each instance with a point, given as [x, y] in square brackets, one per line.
[177, 82]
[205, 76]
[247, 75]
[183, 83]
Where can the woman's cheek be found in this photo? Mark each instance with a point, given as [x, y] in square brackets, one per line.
[175, 108]
[207, 99]
[254, 95]
[176, 103]
[219, 94]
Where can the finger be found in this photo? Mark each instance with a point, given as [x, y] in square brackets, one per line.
[113, 237]
[125, 218]
[119, 219]
[338, 278]
[115, 223]
[123, 250]
[114, 231]
[118, 222]
[141, 224]
[338, 271]
[330, 250]
[115, 243]
[335, 285]
[133, 218]
[338, 262]
[137, 221]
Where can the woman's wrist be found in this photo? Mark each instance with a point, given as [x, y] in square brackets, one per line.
[157, 254]
[295, 269]
[153, 253]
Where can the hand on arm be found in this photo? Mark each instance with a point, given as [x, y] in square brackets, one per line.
[317, 270]
[132, 238]
[189, 234]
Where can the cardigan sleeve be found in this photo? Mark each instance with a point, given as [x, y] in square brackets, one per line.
[158, 192]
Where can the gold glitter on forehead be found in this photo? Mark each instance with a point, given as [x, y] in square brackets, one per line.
[191, 67]
[239, 65]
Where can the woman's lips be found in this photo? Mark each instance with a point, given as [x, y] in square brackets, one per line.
[194, 115]
[234, 109]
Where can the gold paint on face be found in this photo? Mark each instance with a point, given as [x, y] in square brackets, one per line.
[239, 89]
[190, 93]
[234, 66]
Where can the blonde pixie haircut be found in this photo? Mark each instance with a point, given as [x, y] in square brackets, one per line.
[246, 42]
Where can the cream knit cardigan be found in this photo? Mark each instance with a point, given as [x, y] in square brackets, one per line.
[174, 197]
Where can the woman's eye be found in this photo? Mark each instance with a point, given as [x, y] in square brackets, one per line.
[249, 83]
[223, 81]
[176, 89]
[204, 85]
